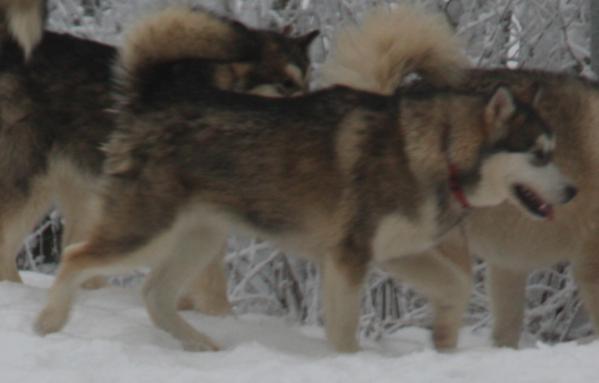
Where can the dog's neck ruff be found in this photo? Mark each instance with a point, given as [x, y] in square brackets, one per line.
[455, 187]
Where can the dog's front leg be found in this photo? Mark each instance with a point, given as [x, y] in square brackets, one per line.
[586, 274]
[446, 286]
[342, 285]
[8, 269]
[506, 289]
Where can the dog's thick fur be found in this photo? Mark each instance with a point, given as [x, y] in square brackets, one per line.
[368, 57]
[51, 127]
[241, 59]
[345, 177]
[24, 21]
[54, 109]
[510, 243]
[435, 54]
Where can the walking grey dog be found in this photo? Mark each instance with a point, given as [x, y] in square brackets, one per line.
[347, 178]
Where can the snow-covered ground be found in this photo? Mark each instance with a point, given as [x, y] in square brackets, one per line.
[110, 339]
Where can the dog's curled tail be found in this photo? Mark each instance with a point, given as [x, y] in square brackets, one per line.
[177, 33]
[24, 20]
[392, 43]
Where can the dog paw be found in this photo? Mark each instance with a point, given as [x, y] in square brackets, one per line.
[445, 339]
[199, 345]
[50, 320]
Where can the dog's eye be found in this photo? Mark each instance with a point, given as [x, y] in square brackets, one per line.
[289, 84]
[288, 87]
[539, 155]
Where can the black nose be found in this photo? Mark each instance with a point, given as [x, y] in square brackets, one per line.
[569, 193]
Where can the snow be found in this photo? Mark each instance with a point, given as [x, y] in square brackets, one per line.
[110, 339]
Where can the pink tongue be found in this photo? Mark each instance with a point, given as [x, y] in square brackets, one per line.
[547, 210]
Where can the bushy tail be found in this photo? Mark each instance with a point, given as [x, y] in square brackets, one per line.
[176, 33]
[24, 21]
[392, 43]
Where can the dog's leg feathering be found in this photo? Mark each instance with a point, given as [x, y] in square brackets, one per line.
[194, 248]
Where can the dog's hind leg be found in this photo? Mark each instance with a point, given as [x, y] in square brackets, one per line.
[110, 250]
[506, 290]
[122, 239]
[17, 221]
[10, 243]
[78, 263]
[207, 292]
[342, 287]
[78, 205]
[8, 265]
[586, 274]
[173, 251]
[195, 248]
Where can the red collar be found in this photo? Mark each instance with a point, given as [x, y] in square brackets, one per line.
[455, 187]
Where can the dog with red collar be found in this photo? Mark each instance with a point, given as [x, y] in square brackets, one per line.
[345, 177]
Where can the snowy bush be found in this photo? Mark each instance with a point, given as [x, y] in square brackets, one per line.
[552, 34]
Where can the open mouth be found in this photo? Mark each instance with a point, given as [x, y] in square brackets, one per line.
[532, 202]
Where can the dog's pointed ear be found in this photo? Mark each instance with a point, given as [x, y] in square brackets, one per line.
[499, 109]
[287, 30]
[531, 94]
[305, 40]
